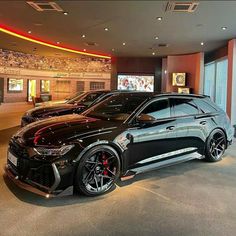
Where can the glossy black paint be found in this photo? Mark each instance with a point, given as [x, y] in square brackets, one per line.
[75, 105]
[141, 145]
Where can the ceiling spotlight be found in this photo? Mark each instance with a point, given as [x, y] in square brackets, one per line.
[156, 37]
[58, 42]
[29, 32]
[65, 13]
[113, 49]
[153, 53]
[83, 36]
[202, 43]
[106, 29]
[159, 18]
[224, 28]
[123, 44]
[84, 50]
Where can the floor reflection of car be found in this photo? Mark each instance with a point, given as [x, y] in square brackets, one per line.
[74, 105]
[126, 134]
[54, 102]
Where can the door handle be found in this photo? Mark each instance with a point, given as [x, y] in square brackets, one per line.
[170, 128]
[203, 122]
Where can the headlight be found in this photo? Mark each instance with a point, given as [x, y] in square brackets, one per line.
[53, 151]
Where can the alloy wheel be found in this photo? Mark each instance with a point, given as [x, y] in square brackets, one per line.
[217, 146]
[100, 171]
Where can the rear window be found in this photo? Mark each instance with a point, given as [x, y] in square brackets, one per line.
[204, 106]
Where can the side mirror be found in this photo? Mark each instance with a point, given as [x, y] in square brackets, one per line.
[144, 118]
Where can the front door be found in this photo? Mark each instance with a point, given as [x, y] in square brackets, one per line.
[152, 141]
[31, 90]
[1, 89]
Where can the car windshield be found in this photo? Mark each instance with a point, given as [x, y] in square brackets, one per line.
[117, 107]
[85, 99]
[75, 95]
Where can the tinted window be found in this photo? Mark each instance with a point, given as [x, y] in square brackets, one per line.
[86, 100]
[184, 107]
[204, 106]
[158, 109]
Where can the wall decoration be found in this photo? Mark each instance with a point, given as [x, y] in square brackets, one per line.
[184, 90]
[15, 85]
[179, 79]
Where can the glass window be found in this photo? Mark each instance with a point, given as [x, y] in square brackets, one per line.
[117, 107]
[221, 83]
[215, 82]
[80, 86]
[97, 85]
[63, 86]
[45, 86]
[209, 80]
[86, 100]
[15, 85]
[184, 107]
[204, 106]
[158, 109]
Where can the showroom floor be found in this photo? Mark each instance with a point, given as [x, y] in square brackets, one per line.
[194, 198]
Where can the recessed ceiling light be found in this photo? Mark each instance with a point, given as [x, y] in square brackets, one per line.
[153, 53]
[83, 36]
[106, 29]
[29, 32]
[113, 49]
[84, 50]
[224, 28]
[58, 42]
[159, 18]
[123, 44]
[156, 37]
[202, 43]
[65, 13]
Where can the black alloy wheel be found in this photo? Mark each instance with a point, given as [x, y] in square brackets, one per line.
[98, 170]
[216, 145]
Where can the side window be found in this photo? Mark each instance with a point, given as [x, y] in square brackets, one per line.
[204, 106]
[158, 109]
[184, 107]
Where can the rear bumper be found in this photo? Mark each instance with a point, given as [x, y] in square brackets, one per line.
[35, 189]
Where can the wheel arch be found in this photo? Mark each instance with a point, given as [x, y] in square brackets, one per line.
[99, 143]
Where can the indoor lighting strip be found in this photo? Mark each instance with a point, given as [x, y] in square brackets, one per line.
[11, 32]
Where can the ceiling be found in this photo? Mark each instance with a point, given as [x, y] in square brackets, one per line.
[132, 22]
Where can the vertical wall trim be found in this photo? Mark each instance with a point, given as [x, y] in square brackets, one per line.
[231, 83]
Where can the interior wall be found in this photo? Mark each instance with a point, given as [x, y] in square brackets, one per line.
[216, 54]
[192, 65]
[133, 65]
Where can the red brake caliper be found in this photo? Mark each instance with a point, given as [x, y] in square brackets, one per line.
[105, 164]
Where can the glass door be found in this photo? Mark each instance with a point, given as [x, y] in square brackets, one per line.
[31, 90]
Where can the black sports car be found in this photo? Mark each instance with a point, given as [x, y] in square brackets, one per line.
[126, 134]
[75, 105]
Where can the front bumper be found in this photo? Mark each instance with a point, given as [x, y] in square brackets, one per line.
[35, 187]
[24, 185]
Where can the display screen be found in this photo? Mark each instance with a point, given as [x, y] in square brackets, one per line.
[143, 83]
[15, 85]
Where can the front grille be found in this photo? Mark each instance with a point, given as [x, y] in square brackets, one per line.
[42, 175]
[30, 170]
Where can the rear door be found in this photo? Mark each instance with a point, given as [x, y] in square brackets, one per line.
[189, 130]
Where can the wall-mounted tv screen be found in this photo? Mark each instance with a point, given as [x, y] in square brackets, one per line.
[142, 83]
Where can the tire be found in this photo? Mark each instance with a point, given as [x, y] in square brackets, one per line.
[215, 146]
[97, 171]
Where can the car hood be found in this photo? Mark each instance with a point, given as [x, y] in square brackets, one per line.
[49, 103]
[59, 130]
[47, 111]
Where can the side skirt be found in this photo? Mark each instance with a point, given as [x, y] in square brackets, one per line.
[157, 165]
